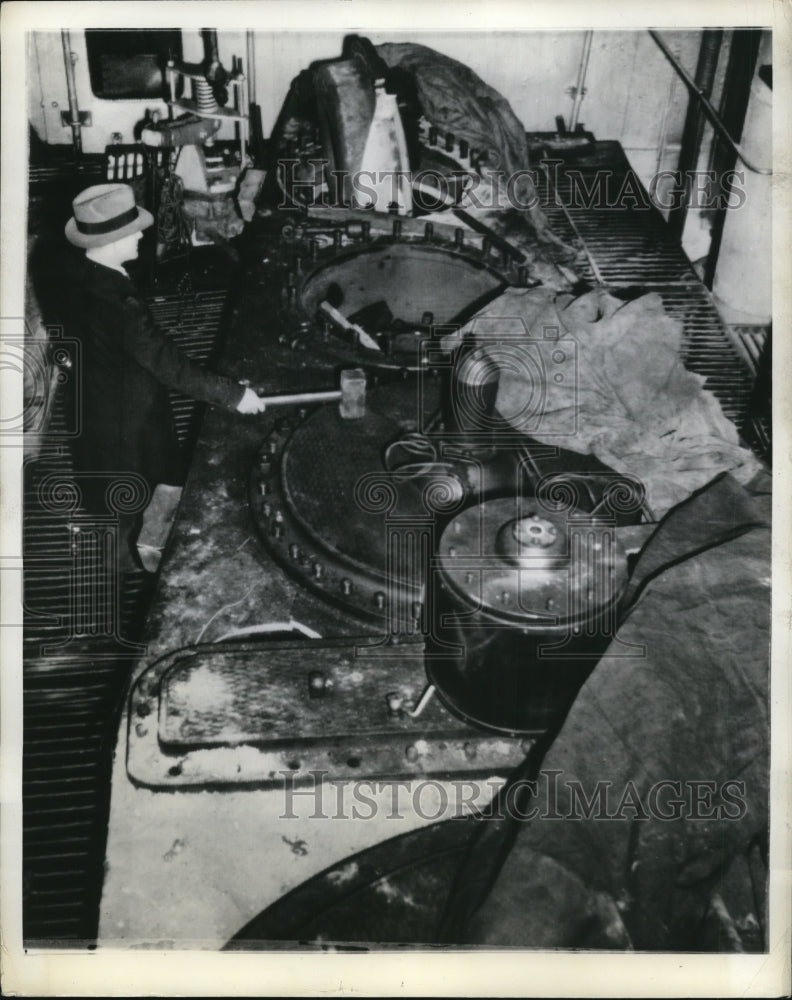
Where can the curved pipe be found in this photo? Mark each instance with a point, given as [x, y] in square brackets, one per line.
[710, 112]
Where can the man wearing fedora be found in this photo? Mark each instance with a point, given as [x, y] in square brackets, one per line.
[128, 364]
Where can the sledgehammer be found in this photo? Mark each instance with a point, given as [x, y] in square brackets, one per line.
[351, 396]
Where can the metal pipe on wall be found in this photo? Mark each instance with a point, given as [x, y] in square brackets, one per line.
[693, 130]
[580, 86]
[69, 60]
[743, 55]
[711, 113]
[250, 42]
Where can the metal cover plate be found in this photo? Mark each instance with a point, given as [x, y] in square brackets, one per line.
[587, 572]
[242, 713]
[315, 520]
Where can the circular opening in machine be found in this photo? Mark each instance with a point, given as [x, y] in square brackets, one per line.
[398, 287]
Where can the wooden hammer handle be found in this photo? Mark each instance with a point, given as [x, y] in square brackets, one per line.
[302, 397]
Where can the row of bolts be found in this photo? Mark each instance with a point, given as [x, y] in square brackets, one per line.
[464, 151]
[289, 291]
[296, 553]
[362, 229]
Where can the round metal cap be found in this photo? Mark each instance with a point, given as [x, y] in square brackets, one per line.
[514, 559]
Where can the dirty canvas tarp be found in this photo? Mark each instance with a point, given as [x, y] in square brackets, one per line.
[620, 393]
[453, 98]
[680, 696]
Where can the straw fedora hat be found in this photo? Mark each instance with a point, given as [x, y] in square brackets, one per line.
[105, 213]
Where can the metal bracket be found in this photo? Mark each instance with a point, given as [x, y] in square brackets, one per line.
[86, 119]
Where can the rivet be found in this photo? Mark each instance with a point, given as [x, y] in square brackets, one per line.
[317, 569]
[433, 136]
[464, 149]
[550, 603]
[346, 587]
[428, 231]
[141, 730]
[416, 609]
[294, 550]
[366, 230]
[317, 684]
[397, 228]
[411, 753]
[379, 599]
[394, 702]
[522, 276]
[264, 489]
[427, 319]
[505, 596]
[457, 527]
[469, 577]
[266, 508]
[459, 237]
[470, 750]
[449, 141]
[277, 530]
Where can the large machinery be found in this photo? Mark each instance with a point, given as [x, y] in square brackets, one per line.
[412, 591]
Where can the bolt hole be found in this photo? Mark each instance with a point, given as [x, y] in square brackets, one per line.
[175, 770]
[353, 761]
[293, 765]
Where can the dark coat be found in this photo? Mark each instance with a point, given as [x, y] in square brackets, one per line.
[127, 366]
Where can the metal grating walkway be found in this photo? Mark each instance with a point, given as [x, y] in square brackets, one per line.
[630, 247]
[72, 694]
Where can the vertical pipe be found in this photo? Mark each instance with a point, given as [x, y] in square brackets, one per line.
[251, 65]
[694, 127]
[74, 108]
[580, 86]
[734, 104]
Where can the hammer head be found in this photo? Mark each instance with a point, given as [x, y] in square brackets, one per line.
[352, 405]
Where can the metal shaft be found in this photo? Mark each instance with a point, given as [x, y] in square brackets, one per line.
[495, 238]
